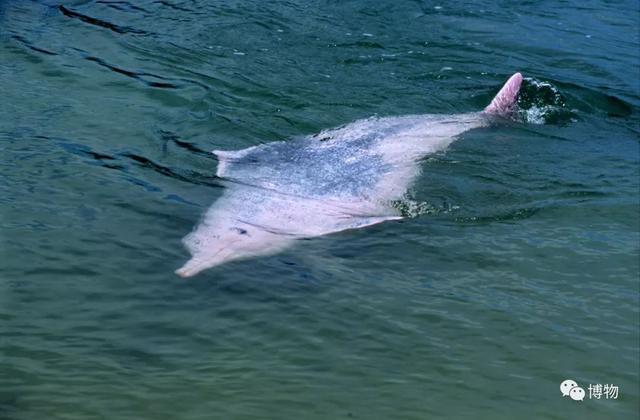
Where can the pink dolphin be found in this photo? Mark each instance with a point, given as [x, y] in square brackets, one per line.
[343, 178]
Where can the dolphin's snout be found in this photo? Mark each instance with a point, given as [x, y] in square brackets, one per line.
[193, 267]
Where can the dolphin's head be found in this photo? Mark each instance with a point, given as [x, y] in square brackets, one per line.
[212, 245]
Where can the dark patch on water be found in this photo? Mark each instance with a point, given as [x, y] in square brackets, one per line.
[9, 405]
[188, 176]
[99, 22]
[193, 148]
[134, 75]
[32, 47]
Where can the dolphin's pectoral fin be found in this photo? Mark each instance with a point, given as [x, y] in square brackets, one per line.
[225, 158]
[504, 102]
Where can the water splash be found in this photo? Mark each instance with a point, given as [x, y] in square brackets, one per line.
[409, 207]
[540, 102]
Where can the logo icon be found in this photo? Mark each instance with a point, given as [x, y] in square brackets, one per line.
[570, 388]
[576, 393]
[566, 385]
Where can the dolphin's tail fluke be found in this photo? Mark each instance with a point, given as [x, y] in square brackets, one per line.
[505, 101]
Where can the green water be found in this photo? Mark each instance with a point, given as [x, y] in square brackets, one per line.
[520, 269]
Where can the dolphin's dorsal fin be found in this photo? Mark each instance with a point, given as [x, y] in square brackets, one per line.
[504, 102]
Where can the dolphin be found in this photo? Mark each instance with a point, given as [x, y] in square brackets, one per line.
[342, 178]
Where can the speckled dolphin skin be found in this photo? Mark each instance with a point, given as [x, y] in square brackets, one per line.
[343, 178]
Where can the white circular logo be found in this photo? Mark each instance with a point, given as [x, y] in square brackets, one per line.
[566, 385]
[576, 393]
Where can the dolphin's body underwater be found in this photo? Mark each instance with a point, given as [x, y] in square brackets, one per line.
[344, 178]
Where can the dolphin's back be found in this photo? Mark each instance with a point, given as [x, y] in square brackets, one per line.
[310, 167]
[348, 161]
